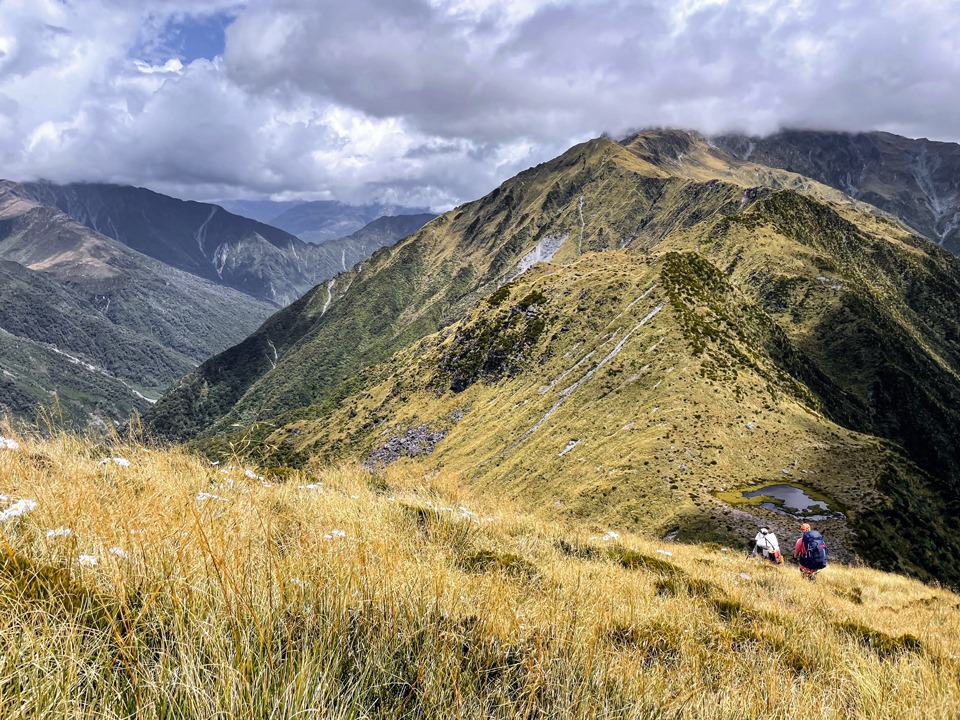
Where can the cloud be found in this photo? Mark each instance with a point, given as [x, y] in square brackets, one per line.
[435, 101]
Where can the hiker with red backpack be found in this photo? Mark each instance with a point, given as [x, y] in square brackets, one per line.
[810, 552]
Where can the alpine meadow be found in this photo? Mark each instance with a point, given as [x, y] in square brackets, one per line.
[445, 359]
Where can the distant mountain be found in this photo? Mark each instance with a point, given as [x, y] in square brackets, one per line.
[631, 333]
[916, 180]
[335, 256]
[205, 240]
[320, 221]
[261, 210]
[82, 311]
[168, 284]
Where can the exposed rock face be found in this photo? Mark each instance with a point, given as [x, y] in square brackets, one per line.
[416, 441]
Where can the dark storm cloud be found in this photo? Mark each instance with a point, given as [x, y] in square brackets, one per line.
[573, 67]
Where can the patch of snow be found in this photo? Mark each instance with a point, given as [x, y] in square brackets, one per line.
[632, 303]
[543, 251]
[143, 397]
[87, 561]
[566, 372]
[570, 446]
[329, 297]
[565, 393]
[940, 205]
[665, 552]
[220, 258]
[201, 234]
[122, 462]
[8, 443]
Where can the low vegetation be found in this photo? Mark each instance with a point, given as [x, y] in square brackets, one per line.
[151, 584]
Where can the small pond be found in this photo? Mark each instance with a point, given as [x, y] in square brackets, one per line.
[795, 502]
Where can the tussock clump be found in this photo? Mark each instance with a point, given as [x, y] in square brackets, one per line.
[653, 643]
[676, 585]
[583, 551]
[884, 645]
[633, 560]
[484, 560]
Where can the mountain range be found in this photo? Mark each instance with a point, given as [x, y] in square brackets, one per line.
[639, 332]
[110, 293]
[918, 181]
[323, 220]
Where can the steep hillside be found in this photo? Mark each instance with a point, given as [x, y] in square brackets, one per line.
[133, 322]
[47, 387]
[198, 238]
[341, 254]
[324, 220]
[36, 306]
[694, 336]
[916, 180]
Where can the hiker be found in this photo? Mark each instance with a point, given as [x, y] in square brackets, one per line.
[767, 546]
[810, 552]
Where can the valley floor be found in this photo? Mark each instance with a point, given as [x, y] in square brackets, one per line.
[170, 588]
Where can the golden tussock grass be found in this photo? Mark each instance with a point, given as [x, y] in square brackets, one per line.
[351, 594]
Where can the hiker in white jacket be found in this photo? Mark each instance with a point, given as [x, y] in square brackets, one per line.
[767, 546]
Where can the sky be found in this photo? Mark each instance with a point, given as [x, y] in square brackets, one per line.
[435, 102]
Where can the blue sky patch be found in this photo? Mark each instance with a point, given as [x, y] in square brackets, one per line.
[187, 37]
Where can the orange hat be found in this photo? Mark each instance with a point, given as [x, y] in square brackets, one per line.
[804, 527]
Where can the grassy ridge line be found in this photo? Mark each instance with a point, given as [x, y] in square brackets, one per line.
[252, 606]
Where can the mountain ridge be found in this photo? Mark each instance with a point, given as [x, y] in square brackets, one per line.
[913, 179]
[791, 327]
[320, 221]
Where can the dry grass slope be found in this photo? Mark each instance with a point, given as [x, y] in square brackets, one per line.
[209, 591]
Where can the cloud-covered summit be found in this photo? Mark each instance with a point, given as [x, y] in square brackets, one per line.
[432, 102]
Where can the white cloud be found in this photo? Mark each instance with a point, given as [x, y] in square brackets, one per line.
[435, 101]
